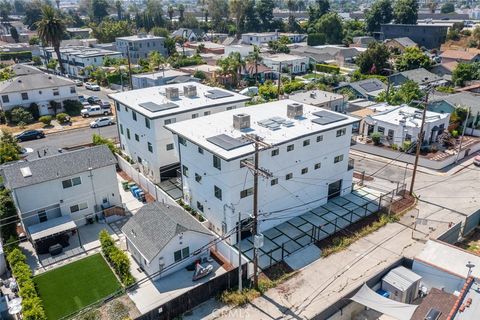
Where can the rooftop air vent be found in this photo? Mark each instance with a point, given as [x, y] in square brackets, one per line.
[190, 91]
[171, 93]
[26, 172]
[241, 121]
[294, 110]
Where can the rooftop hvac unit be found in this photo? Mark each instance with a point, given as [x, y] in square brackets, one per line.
[402, 283]
[294, 110]
[171, 93]
[190, 91]
[241, 121]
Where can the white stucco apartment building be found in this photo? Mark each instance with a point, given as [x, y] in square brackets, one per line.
[308, 160]
[259, 38]
[142, 115]
[139, 46]
[56, 193]
[293, 63]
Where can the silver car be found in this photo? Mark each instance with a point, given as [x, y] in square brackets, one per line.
[101, 122]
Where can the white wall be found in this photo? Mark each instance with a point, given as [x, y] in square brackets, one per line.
[295, 192]
[93, 189]
[243, 50]
[295, 66]
[435, 278]
[157, 135]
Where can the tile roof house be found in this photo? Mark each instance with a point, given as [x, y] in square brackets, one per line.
[367, 89]
[460, 56]
[160, 235]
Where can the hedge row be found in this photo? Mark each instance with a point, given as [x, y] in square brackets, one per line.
[20, 55]
[117, 259]
[328, 68]
[32, 306]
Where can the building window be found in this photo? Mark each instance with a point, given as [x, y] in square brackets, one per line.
[289, 176]
[185, 170]
[24, 96]
[42, 216]
[72, 90]
[317, 166]
[121, 129]
[217, 163]
[274, 181]
[338, 158]
[275, 152]
[198, 177]
[71, 182]
[245, 193]
[231, 108]
[169, 121]
[290, 148]
[200, 150]
[147, 123]
[181, 254]
[137, 137]
[341, 132]
[169, 146]
[206, 113]
[182, 141]
[139, 160]
[304, 170]
[5, 98]
[218, 192]
[319, 138]
[78, 207]
[194, 115]
[381, 130]
[126, 109]
[134, 115]
[128, 134]
[306, 142]
[150, 147]
[199, 206]
[117, 105]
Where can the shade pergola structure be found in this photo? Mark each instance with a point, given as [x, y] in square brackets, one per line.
[51, 228]
[369, 298]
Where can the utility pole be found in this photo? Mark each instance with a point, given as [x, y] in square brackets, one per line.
[129, 69]
[279, 79]
[463, 134]
[239, 235]
[256, 172]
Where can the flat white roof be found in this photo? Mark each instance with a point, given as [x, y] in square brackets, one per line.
[281, 57]
[315, 97]
[139, 38]
[160, 74]
[412, 116]
[138, 99]
[201, 129]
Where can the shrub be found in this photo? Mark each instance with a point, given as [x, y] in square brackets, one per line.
[406, 145]
[99, 140]
[19, 114]
[55, 106]
[394, 146]
[117, 311]
[328, 68]
[16, 256]
[62, 118]
[46, 120]
[72, 107]
[117, 259]
[90, 315]
[33, 109]
[455, 134]
[376, 137]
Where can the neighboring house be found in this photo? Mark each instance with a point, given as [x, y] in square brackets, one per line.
[161, 235]
[206, 47]
[259, 38]
[366, 89]
[402, 123]
[444, 70]
[329, 54]
[400, 44]
[263, 72]
[157, 78]
[189, 34]
[292, 63]
[460, 56]
[143, 113]
[211, 72]
[426, 35]
[22, 37]
[31, 85]
[76, 58]
[319, 98]
[420, 76]
[244, 50]
[139, 46]
[306, 143]
[362, 41]
[79, 33]
[57, 193]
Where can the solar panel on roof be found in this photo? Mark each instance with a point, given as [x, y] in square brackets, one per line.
[278, 119]
[218, 94]
[155, 107]
[326, 117]
[273, 126]
[265, 123]
[228, 143]
[371, 86]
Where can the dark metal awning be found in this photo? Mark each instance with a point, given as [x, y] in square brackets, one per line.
[51, 227]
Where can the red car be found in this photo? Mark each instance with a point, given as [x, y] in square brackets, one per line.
[476, 161]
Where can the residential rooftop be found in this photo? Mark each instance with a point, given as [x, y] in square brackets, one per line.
[461, 99]
[168, 73]
[268, 120]
[33, 81]
[314, 97]
[412, 116]
[85, 52]
[282, 57]
[25, 173]
[153, 103]
[139, 37]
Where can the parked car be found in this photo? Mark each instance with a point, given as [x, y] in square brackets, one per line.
[81, 98]
[476, 161]
[250, 91]
[92, 86]
[30, 135]
[78, 83]
[101, 122]
[104, 104]
[94, 100]
[94, 110]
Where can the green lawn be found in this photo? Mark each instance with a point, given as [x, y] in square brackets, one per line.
[76, 285]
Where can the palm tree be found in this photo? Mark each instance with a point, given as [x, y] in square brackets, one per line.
[51, 30]
[237, 10]
[171, 11]
[255, 57]
[156, 61]
[237, 64]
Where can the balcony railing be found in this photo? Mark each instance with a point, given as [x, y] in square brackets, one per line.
[351, 164]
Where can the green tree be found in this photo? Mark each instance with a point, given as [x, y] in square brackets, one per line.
[412, 58]
[380, 12]
[20, 115]
[448, 7]
[317, 10]
[280, 45]
[374, 60]
[52, 64]
[160, 32]
[265, 13]
[465, 72]
[406, 11]
[331, 26]
[156, 61]
[19, 7]
[119, 7]
[98, 10]
[34, 40]
[251, 18]
[269, 91]
[171, 12]
[237, 12]
[5, 10]
[108, 30]
[6, 73]
[255, 57]
[406, 94]
[33, 14]
[51, 30]
[14, 34]
[218, 10]
[9, 151]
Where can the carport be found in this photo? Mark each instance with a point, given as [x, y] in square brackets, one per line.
[53, 231]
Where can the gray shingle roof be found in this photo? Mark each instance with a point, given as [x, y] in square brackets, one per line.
[405, 42]
[23, 69]
[461, 99]
[33, 82]
[419, 75]
[156, 224]
[367, 87]
[56, 166]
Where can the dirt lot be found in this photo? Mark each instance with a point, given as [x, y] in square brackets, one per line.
[472, 243]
